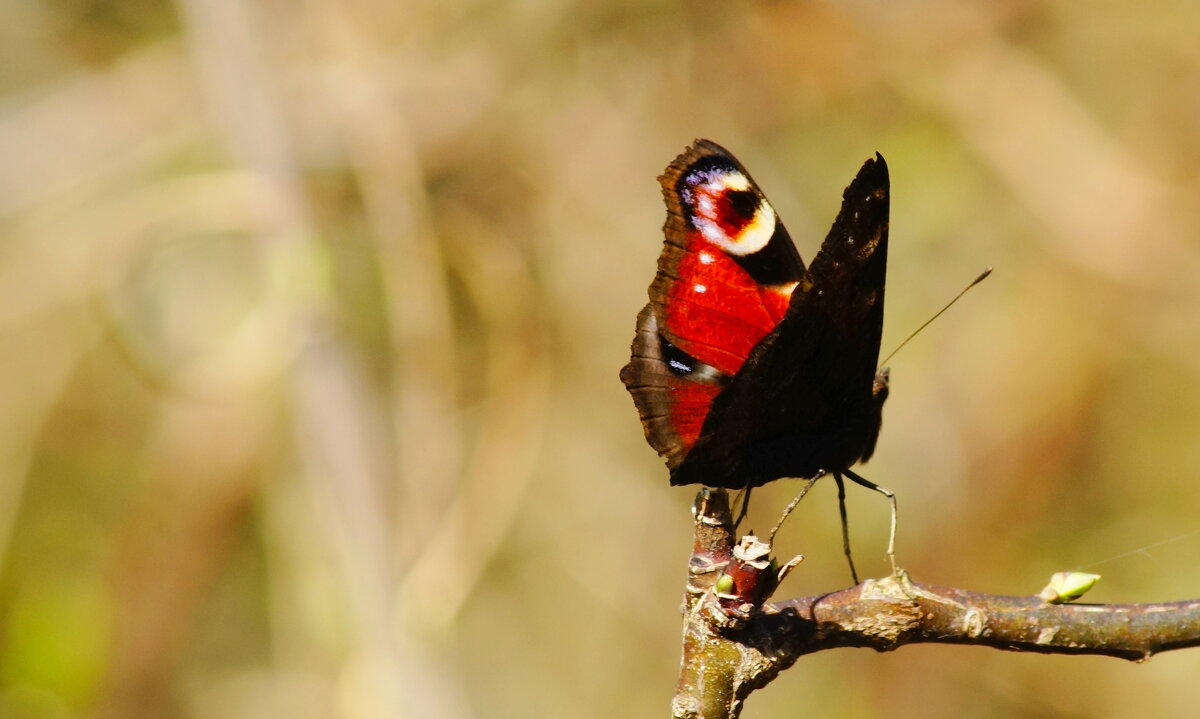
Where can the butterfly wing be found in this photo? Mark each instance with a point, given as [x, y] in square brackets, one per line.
[725, 279]
[808, 397]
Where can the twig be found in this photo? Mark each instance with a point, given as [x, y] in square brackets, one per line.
[734, 643]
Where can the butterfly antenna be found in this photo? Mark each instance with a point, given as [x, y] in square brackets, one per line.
[982, 276]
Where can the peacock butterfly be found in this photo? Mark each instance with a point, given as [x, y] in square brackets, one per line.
[747, 366]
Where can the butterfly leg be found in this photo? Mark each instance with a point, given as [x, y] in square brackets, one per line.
[837, 477]
[792, 505]
[891, 551]
[744, 496]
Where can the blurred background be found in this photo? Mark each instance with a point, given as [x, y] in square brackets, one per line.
[312, 314]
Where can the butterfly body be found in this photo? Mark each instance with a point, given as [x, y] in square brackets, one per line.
[747, 365]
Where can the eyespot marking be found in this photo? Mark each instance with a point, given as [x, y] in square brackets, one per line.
[727, 211]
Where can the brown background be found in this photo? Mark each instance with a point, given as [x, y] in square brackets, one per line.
[312, 314]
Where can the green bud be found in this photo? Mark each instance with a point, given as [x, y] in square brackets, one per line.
[1068, 586]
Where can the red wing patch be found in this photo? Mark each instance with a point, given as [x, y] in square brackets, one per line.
[715, 310]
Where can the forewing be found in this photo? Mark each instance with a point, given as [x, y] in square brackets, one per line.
[728, 266]
[724, 281]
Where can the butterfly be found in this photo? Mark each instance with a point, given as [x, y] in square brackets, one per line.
[747, 366]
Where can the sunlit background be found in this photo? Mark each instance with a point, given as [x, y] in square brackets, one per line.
[312, 314]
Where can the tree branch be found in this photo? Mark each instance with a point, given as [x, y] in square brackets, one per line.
[734, 642]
